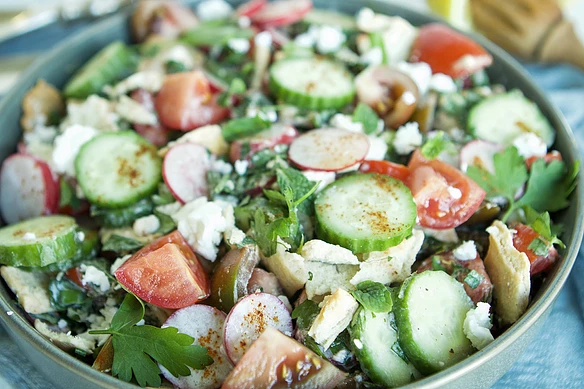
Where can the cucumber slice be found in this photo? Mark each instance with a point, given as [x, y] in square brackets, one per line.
[312, 83]
[430, 311]
[39, 242]
[502, 118]
[122, 217]
[330, 18]
[116, 169]
[365, 212]
[374, 341]
[112, 63]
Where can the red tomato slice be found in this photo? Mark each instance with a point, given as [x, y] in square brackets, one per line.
[156, 134]
[392, 169]
[551, 156]
[185, 102]
[448, 51]
[522, 239]
[281, 13]
[250, 8]
[166, 273]
[444, 196]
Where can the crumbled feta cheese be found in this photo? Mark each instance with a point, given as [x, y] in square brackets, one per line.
[241, 167]
[341, 356]
[446, 236]
[321, 251]
[335, 315]
[419, 72]
[202, 223]
[330, 39]
[345, 122]
[169, 209]
[530, 145]
[442, 83]
[40, 134]
[29, 236]
[377, 149]
[263, 39]
[455, 193]
[372, 57]
[243, 22]
[94, 112]
[148, 80]
[67, 146]
[477, 326]
[177, 53]
[93, 275]
[407, 138]
[119, 262]
[305, 40]
[466, 251]
[398, 38]
[220, 166]
[470, 61]
[358, 343]
[369, 21]
[408, 98]
[134, 112]
[146, 225]
[324, 178]
[213, 9]
[239, 45]
[80, 236]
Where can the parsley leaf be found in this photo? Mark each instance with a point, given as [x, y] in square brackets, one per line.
[365, 115]
[305, 313]
[373, 296]
[541, 223]
[236, 87]
[295, 181]
[242, 127]
[121, 244]
[175, 67]
[435, 146]
[138, 348]
[167, 224]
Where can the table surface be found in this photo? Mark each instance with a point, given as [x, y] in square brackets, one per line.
[554, 360]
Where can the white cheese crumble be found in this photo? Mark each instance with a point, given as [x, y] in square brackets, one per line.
[330, 39]
[455, 193]
[377, 149]
[243, 22]
[530, 145]
[239, 45]
[447, 236]
[263, 39]
[369, 21]
[94, 112]
[148, 80]
[146, 225]
[119, 262]
[419, 72]
[220, 166]
[372, 57]
[93, 275]
[134, 112]
[213, 9]
[80, 236]
[323, 178]
[408, 98]
[358, 343]
[29, 236]
[241, 166]
[67, 146]
[477, 326]
[345, 122]
[407, 138]
[305, 39]
[466, 251]
[442, 83]
[203, 224]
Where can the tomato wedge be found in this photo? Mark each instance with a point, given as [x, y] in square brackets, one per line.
[395, 170]
[523, 238]
[166, 273]
[185, 102]
[445, 197]
[448, 51]
[156, 134]
[281, 13]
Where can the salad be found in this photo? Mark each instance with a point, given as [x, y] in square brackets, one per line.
[279, 196]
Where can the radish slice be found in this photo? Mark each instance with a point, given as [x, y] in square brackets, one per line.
[264, 281]
[328, 149]
[28, 189]
[249, 318]
[185, 171]
[250, 8]
[205, 324]
[282, 13]
[278, 37]
[278, 134]
[479, 153]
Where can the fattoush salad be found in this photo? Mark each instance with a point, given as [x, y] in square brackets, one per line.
[279, 196]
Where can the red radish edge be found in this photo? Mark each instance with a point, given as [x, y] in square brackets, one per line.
[328, 149]
[243, 328]
[481, 149]
[250, 8]
[184, 171]
[282, 13]
[18, 206]
[275, 135]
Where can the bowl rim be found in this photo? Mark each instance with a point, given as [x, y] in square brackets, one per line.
[19, 326]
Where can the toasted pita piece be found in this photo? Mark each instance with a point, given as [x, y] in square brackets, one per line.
[508, 269]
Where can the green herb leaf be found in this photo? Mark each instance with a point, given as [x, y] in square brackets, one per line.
[435, 146]
[175, 67]
[539, 247]
[167, 224]
[67, 195]
[164, 195]
[138, 348]
[236, 87]
[373, 296]
[120, 244]
[64, 293]
[295, 181]
[305, 313]
[243, 127]
[473, 279]
[437, 264]
[215, 34]
[365, 115]
[541, 223]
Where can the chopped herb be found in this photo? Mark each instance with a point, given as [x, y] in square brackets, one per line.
[539, 247]
[373, 296]
[389, 258]
[65, 293]
[246, 241]
[167, 224]
[67, 195]
[473, 279]
[299, 185]
[175, 67]
[435, 146]
[215, 34]
[541, 223]
[365, 115]
[164, 196]
[120, 244]
[137, 349]
[310, 276]
[236, 87]
[243, 127]
[437, 263]
[305, 313]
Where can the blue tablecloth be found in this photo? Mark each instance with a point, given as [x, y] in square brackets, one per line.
[554, 360]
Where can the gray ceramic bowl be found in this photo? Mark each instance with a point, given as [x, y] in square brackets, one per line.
[478, 371]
